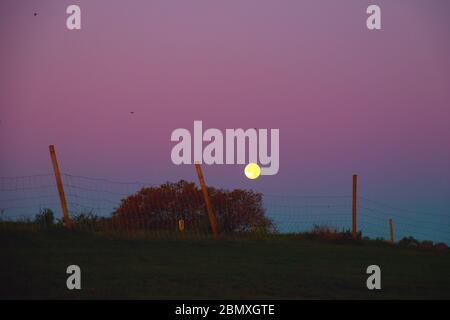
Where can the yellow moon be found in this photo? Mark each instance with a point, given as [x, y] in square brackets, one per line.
[252, 171]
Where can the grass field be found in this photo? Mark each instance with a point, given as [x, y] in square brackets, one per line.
[33, 266]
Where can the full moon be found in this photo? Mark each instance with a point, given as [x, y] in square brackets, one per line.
[252, 171]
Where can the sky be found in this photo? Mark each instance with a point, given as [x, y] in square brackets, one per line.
[345, 99]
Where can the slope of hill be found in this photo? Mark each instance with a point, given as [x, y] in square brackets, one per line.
[34, 266]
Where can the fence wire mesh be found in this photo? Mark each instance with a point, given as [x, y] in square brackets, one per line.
[96, 204]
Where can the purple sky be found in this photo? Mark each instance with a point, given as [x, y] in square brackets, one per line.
[345, 99]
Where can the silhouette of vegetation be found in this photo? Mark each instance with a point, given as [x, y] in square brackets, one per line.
[411, 242]
[163, 206]
[45, 218]
[88, 220]
[332, 234]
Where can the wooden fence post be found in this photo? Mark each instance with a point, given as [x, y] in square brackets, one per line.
[59, 184]
[211, 216]
[391, 231]
[355, 177]
[181, 225]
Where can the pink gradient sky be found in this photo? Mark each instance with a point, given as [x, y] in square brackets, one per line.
[345, 99]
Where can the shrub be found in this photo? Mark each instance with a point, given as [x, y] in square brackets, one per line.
[45, 218]
[409, 242]
[160, 208]
[427, 244]
[441, 246]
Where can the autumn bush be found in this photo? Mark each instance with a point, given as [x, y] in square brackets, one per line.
[162, 207]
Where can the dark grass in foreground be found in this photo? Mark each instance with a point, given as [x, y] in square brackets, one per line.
[33, 265]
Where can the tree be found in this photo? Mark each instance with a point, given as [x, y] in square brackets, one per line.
[161, 207]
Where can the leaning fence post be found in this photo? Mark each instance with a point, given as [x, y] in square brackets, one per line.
[211, 216]
[59, 184]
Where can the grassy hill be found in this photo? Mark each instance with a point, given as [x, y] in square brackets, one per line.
[33, 265]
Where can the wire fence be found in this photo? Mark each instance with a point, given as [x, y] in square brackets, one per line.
[101, 204]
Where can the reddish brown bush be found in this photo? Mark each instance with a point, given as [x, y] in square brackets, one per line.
[160, 208]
